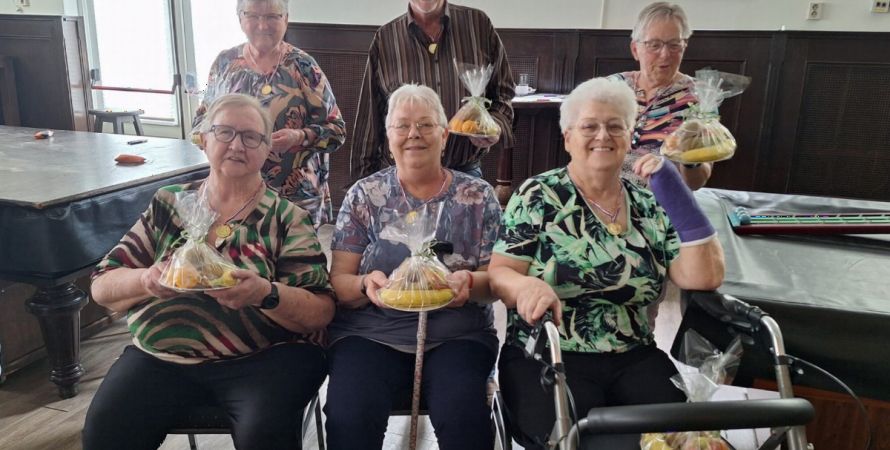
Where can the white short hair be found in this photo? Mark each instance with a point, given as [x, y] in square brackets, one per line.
[236, 101]
[411, 93]
[281, 4]
[661, 11]
[602, 90]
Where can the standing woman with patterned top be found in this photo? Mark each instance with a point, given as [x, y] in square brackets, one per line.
[252, 349]
[291, 86]
[663, 94]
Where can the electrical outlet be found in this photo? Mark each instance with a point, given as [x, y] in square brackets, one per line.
[24, 3]
[814, 12]
[880, 6]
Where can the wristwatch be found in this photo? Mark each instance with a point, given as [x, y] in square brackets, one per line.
[270, 301]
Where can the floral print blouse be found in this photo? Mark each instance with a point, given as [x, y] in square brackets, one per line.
[469, 220]
[301, 98]
[605, 282]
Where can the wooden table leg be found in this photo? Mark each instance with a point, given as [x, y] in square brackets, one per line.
[504, 188]
[58, 311]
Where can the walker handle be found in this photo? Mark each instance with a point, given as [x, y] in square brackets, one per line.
[700, 416]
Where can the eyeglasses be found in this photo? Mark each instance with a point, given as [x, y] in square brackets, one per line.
[404, 128]
[592, 129]
[655, 45]
[226, 134]
[251, 17]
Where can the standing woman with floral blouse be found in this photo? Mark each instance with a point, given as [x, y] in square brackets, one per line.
[290, 84]
[596, 250]
[663, 94]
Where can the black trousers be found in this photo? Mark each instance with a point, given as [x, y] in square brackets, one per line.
[639, 376]
[264, 394]
[366, 377]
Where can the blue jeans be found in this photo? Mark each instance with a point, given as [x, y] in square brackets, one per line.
[366, 376]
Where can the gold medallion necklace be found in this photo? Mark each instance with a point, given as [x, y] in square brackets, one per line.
[266, 89]
[412, 213]
[613, 227]
[224, 230]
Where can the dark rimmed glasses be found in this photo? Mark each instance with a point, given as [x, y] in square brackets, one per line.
[227, 134]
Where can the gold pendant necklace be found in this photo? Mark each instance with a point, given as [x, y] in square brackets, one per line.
[225, 230]
[432, 48]
[266, 89]
[613, 227]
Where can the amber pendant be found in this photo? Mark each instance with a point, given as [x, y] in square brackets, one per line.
[614, 228]
[432, 48]
[266, 90]
[223, 231]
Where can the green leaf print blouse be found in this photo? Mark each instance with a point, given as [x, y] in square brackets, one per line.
[605, 282]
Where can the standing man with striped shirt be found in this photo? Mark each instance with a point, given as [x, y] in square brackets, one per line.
[425, 46]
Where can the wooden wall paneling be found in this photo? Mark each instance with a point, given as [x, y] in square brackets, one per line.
[48, 69]
[831, 136]
[603, 53]
[9, 99]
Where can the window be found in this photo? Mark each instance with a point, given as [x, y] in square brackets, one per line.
[134, 49]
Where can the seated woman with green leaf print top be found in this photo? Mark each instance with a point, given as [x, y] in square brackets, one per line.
[596, 250]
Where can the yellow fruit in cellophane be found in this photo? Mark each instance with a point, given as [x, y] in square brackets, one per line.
[415, 299]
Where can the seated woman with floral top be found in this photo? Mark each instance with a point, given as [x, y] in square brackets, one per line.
[372, 347]
[596, 250]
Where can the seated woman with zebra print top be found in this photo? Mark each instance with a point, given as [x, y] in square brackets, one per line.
[253, 348]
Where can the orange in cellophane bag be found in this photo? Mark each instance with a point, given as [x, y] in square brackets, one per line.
[419, 283]
[473, 118]
[196, 266]
[701, 137]
[702, 370]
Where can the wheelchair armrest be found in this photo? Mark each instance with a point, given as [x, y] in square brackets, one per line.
[703, 416]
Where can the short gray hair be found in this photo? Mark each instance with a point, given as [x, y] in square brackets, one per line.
[661, 11]
[234, 101]
[603, 90]
[281, 4]
[411, 93]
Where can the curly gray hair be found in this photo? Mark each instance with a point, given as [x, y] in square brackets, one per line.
[416, 93]
[602, 90]
[661, 11]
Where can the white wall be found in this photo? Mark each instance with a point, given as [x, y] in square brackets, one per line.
[49, 7]
[838, 15]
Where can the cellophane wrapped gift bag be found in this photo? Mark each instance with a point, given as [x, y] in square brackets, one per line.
[473, 118]
[196, 265]
[701, 137]
[703, 370]
[419, 283]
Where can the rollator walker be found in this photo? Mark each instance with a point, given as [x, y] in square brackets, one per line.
[786, 416]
